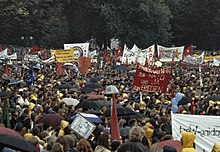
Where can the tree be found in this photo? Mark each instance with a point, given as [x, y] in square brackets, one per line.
[136, 21]
[197, 22]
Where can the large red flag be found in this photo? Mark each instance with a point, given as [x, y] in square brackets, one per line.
[60, 69]
[115, 135]
[105, 56]
[6, 69]
[188, 50]
[84, 64]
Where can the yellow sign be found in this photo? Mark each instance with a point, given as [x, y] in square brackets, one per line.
[63, 55]
[208, 58]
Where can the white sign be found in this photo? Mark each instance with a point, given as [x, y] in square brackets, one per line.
[166, 54]
[129, 54]
[32, 58]
[82, 126]
[3, 54]
[206, 129]
[144, 54]
[80, 49]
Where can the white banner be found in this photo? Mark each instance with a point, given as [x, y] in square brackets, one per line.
[3, 54]
[80, 49]
[191, 59]
[166, 54]
[216, 62]
[32, 58]
[206, 129]
[13, 56]
[129, 54]
[144, 54]
[93, 53]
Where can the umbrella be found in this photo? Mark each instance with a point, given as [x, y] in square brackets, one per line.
[120, 68]
[15, 82]
[14, 142]
[213, 98]
[136, 115]
[68, 64]
[74, 90]
[54, 119]
[93, 85]
[121, 111]
[95, 97]
[86, 89]
[7, 131]
[70, 101]
[96, 78]
[91, 117]
[5, 94]
[64, 86]
[88, 105]
[174, 143]
[184, 101]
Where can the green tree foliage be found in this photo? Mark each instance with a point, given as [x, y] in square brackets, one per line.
[137, 21]
[196, 22]
[43, 20]
[54, 22]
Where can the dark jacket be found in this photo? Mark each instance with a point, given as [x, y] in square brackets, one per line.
[133, 146]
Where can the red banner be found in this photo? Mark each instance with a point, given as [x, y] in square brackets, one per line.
[149, 79]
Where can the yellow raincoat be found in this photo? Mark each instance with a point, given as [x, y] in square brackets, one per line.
[216, 147]
[188, 141]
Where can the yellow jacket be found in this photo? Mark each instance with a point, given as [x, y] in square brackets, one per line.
[188, 141]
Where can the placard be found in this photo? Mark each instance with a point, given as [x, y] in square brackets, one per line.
[82, 126]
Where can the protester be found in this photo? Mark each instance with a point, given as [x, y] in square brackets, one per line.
[188, 142]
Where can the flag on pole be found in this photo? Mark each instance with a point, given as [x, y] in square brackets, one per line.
[115, 135]
[60, 69]
[6, 69]
[188, 50]
[30, 77]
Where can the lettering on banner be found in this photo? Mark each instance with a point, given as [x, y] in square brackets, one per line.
[201, 132]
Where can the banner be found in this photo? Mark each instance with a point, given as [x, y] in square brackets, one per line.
[193, 66]
[32, 58]
[63, 55]
[80, 49]
[166, 54]
[145, 54]
[216, 62]
[151, 79]
[13, 56]
[206, 129]
[191, 59]
[208, 58]
[3, 54]
[129, 54]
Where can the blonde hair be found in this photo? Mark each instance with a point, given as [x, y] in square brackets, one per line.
[136, 133]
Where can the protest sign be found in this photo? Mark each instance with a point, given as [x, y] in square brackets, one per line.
[82, 126]
[63, 55]
[166, 54]
[80, 49]
[206, 129]
[149, 79]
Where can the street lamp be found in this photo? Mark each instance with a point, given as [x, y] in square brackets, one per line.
[27, 40]
[112, 90]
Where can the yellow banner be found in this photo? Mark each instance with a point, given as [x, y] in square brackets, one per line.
[208, 58]
[63, 55]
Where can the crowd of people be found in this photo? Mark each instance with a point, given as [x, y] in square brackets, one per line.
[27, 106]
